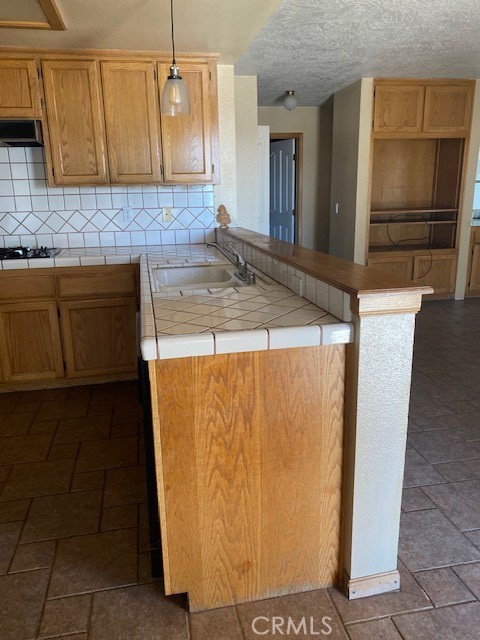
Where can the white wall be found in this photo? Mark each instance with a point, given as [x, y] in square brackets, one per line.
[352, 112]
[315, 124]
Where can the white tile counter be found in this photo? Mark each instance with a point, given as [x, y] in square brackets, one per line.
[257, 317]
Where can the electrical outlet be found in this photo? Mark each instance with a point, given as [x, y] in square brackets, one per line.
[337, 208]
[127, 214]
[167, 214]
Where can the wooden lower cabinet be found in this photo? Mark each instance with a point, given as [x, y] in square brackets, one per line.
[401, 266]
[99, 336]
[474, 280]
[438, 271]
[30, 342]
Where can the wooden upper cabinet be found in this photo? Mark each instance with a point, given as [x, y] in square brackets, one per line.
[189, 141]
[19, 89]
[132, 121]
[447, 108]
[398, 108]
[75, 121]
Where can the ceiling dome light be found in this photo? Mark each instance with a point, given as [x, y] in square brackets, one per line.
[175, 101]
[290, 102]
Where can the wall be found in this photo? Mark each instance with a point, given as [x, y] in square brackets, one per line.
[32, 213]
[246, 122]
[315, 123]
[352, 112]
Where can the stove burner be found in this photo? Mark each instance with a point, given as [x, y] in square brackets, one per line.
[17, 253]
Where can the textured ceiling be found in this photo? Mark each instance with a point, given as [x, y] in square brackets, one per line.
[318, 46]
[211, 26]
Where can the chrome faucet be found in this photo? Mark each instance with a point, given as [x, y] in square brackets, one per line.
[242, 271]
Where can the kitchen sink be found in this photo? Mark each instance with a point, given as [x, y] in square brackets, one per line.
[201, 277]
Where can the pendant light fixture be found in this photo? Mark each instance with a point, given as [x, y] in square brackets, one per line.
[175, 101]
[290, 101]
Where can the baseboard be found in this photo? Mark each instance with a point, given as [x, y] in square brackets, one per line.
[371, 585]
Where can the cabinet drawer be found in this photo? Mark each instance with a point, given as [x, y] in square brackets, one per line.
[104, 282]
[26, 287]
[437, 271]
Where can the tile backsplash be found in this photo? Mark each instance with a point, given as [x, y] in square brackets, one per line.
[34, 214]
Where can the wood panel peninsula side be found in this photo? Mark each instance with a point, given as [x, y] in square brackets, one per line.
[280, 471]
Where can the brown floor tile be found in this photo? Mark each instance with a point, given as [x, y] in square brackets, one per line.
[107, 454]
[82, 392]
[66, 615]
[470, 574]
[418, 472]
[21, 603]
[125, 486]
[45, 395]
[409, 598]
[474, 536]
[88, 480]
[129, 411]
[100, 409]
[44, 426]
[143, 528]
[414, 500]
[8, 402]
[429, 541]
[220, 624]
[27, 407]
[460, 622]
[438, 446]
[64, 515]
[465, 426]
[18, 449]
[137, 613]
[311, 606]
[124, 517]
[145, 568]
[38, 478]
[4, 471]
[443, 587]
[16, 425]
[376, 630]
[61, 409]
[62, 451]
[13, 510]
[455, 471]
[459, 501]
[9, 534]
[75, 636]
[38, 555]
[92, 562]
[83, 429]
[123, 430]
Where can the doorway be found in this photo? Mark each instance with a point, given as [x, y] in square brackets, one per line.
[285, 214]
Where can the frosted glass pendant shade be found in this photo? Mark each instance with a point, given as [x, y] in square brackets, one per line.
[290, 102]
[175, 101]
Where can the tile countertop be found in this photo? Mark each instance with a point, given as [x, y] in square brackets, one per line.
[84, 256]
[263, 316]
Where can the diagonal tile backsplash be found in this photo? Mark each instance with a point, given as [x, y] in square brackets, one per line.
[34, 214]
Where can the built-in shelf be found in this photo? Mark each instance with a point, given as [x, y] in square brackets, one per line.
[413, 222]
[410, 211]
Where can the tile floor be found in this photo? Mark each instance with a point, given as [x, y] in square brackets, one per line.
[73, 523]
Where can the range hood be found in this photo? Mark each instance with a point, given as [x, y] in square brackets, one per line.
[21, 133]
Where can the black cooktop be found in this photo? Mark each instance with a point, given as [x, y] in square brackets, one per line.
[17, 253]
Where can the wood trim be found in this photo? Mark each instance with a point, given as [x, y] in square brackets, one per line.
[104, 54]
[54, 20]
[35, 385]
[298, 137]
[425, 81]
[371, 585]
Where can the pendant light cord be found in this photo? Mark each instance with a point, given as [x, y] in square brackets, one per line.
[173, 38]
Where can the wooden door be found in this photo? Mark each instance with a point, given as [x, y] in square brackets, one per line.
[187, 139]
[99, 336]
[282, 190]
[132, 121]
[30, 344]
[19, 90]
[75, 121]
[395, 265]
[474, 281]
[398, 108]
[438, 271]
[447, 108]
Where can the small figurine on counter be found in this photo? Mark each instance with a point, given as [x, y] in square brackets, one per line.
[223, 217]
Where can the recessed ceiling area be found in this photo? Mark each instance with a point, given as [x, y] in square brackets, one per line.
[30, 14]
[21, 10]
[318, 46]
[211, 26]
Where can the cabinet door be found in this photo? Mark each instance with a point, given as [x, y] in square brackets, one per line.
[398, 108]
[30, 343]
[99, 336]
[474, 282]
[187, 140]
[19, 95]
[75, 121]
[398, 266]
[447, 108]
[132, 121]
[437, 271]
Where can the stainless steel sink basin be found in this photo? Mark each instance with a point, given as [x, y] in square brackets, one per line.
[201, 277]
